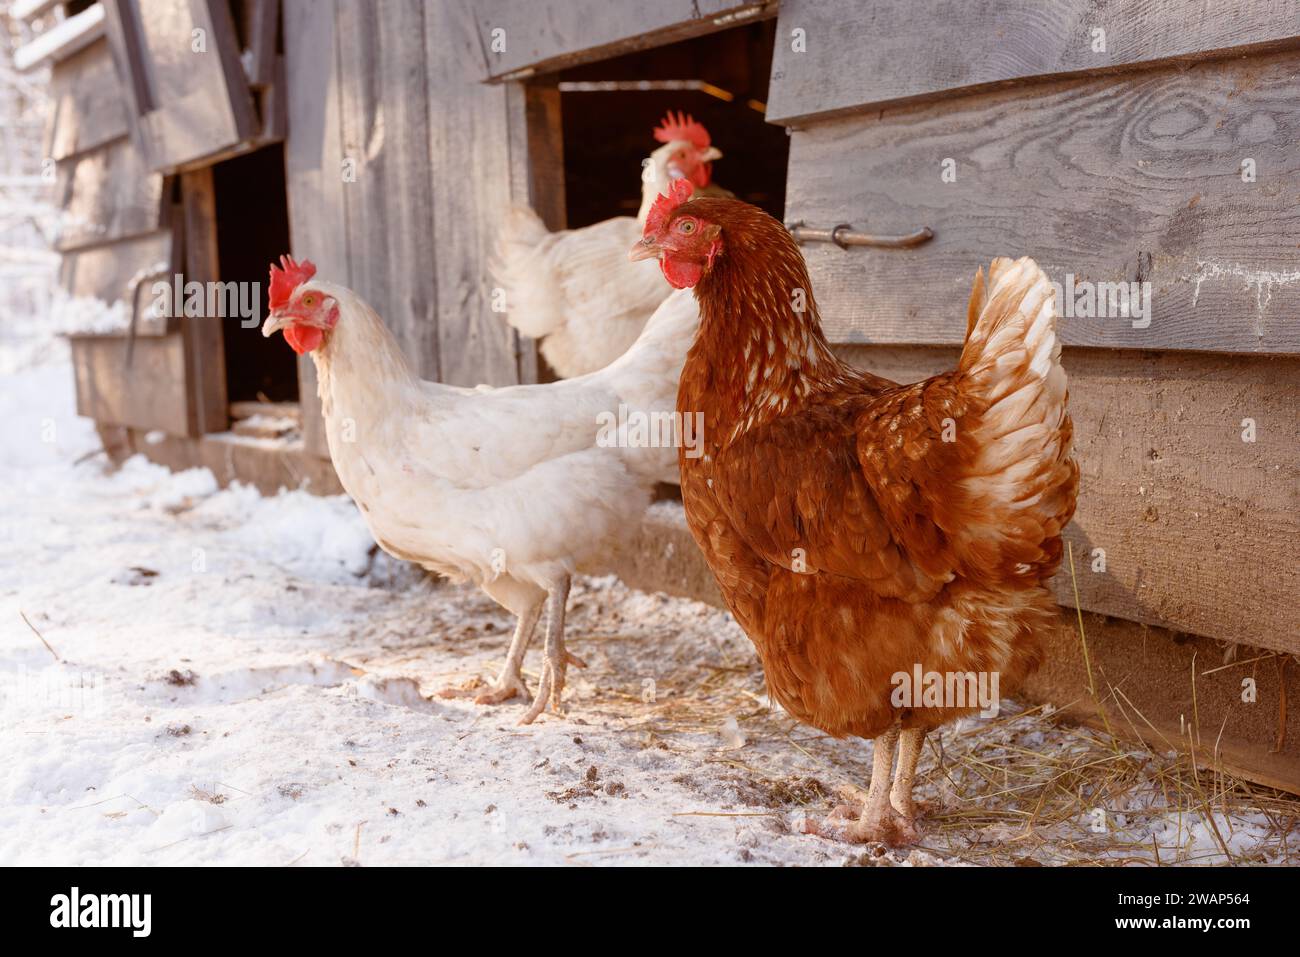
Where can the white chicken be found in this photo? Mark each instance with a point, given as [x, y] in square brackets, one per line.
[513, 488]
[575, 289]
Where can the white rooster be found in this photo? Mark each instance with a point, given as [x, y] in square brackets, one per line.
[575, 289]
[513, 488]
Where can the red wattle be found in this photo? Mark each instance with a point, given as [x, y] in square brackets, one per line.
[302, 338]
[681, 275]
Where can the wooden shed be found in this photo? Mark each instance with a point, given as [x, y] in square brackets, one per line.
[1139, 146]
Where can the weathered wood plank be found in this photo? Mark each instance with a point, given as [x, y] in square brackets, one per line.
[259, 19]
[536, 135]
[205, 353]
[469, 160]
[1201, 530]
[390, 203]
[88, 109]
[107, 272]
[1187, 693]
[551, 34]
[105, 195]
[62, 40]
[150, 394]
[188, 98]
[314, 168]
[862, 55]
[1119, 179]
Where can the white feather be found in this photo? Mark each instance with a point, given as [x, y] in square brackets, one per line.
[508, 482]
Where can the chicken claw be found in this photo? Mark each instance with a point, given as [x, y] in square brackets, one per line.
[551, 689]
[503, 689]
[878, 819]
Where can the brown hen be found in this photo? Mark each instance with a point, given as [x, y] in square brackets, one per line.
[861, 531]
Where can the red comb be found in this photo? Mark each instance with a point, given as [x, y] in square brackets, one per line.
[287, 278]
[679, 191]
[682, 127]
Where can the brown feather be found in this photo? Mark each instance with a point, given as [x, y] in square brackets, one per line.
[848, 538]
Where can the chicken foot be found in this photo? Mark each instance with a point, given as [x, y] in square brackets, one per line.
[511, 682]
[878, 820]
[910, 743]
[556, 659]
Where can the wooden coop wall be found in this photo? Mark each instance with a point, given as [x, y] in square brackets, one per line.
[401, 165]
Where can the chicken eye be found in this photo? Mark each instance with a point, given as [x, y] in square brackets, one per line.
[686, 226]
[309, 300]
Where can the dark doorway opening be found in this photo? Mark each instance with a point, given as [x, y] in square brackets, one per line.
[609, 110]
[252, 232]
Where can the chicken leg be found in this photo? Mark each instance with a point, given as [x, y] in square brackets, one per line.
[557, 659]
[878, 820]
[910, 743]
[510, 682]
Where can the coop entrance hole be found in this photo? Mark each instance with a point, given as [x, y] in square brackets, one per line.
[610, 108]
[252, 215]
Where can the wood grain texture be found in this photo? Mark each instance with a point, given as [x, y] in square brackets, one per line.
[471, 173]
[258, 21]
[385, 118]
[535, 129]
[205, 354]
[151, 394]
[106, 271]
[105, 195]
[1201, 530]
[185, 105]
[1108, 179]
[551, 34]
[313, 169]
[87, 104]
[863, 55]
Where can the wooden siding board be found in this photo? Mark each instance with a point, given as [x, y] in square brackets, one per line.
[87, 106]
[550, 34]
[150, 394]
[205, 354]
[313, 168]
[536, 139]
[862, 55]
[1201, 530]
[260, 18]
[1108, 179]
[185, 106]
[106, 272]
[390, 206]
[106, 195]
[471, 172]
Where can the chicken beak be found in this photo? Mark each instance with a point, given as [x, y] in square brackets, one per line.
[711, 154]
[645, 249]
[275, 322]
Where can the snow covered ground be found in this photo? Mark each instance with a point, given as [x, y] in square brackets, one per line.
[214, 677]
